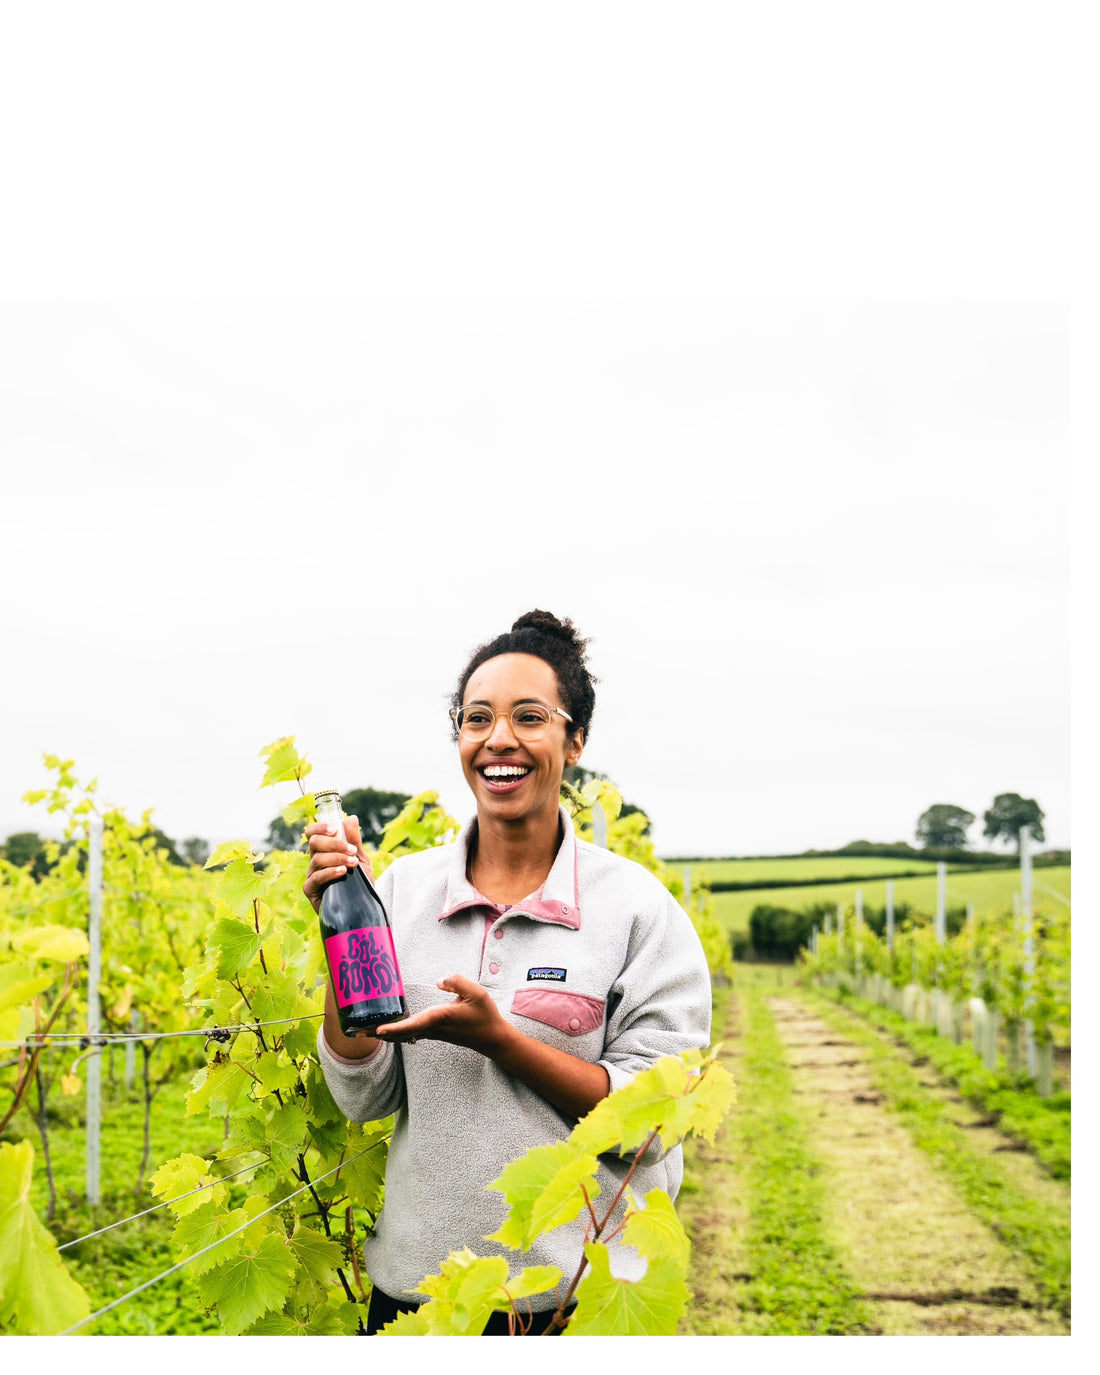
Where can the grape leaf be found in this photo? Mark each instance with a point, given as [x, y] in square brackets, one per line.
[239, 886]
[216, 1086]
[656, 1231]
[276, 997]
[37, 1294]
[275, 1072]
[408, 1323]
[180, 1176]
[318, 1257]
[71, 1084]
[284, 763]
[668, 1095]
[249, 1284]
[543, 1190]
[61, 943]
[286, 1131]
[18, 985]
[202, 1228]
[238, 942]
[324, 1320]
[301, 811]
[231, 850]
[608, 1306]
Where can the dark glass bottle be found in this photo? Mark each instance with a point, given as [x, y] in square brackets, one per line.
[358, 943]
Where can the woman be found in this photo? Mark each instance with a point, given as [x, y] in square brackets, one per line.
[541, 973]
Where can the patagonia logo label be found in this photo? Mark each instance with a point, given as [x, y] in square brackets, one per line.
[543, 973]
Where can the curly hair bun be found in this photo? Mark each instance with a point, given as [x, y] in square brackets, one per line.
[548, 624]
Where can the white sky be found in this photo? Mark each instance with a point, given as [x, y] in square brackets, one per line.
[821, 549]
[756, 324]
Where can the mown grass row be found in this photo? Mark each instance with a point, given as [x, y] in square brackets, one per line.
[1041, 1124]
[798, 1284]
[1041, 1240]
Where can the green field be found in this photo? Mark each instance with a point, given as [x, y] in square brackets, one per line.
[989, 891]
[822, 867]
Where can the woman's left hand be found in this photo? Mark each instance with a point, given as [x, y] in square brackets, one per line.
[472, 1019]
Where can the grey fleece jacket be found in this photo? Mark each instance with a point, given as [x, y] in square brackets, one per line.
[601, 962]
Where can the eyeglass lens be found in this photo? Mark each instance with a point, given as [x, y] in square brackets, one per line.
[528, 721]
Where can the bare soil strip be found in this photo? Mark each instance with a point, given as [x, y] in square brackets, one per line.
[712, 1207]
[909, 1241]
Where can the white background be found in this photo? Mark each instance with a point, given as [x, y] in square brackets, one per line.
[192, 494]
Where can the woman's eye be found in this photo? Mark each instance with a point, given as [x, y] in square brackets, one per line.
[531, 718]
[476, 718]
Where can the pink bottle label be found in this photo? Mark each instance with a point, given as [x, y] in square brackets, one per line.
[363, 965]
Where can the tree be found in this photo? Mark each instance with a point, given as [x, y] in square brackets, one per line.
[196, 850]
[943, 826]
[27, 847]
[374, 808]
[1009, 813]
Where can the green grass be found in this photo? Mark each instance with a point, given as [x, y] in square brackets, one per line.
[799, 1285]
[1041, 1241]
[813, 867]
[1042, 1124]
[990, 891]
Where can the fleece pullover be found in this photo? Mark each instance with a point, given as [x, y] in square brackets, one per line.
[601, 962]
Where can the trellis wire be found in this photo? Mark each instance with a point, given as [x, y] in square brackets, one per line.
[156, 1206]
[80, 1039]
[180, 1264]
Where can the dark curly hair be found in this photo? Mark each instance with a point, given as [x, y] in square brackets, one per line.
[557, 643]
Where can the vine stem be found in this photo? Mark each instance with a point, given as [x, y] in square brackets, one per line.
[323, 1209]
[558, 1319]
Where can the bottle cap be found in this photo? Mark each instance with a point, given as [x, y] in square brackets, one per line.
[326, 792]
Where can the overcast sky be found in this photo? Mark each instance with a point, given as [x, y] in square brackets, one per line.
[821, 549]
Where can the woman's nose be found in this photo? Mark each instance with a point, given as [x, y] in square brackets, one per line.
[503, 733]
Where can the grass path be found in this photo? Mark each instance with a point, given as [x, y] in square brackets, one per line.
[850, 1190]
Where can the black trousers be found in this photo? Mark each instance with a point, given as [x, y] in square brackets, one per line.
[384, 1308]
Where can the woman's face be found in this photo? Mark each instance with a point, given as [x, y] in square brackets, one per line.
[503, 683]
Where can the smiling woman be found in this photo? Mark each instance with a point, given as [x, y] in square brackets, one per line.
[541, 973]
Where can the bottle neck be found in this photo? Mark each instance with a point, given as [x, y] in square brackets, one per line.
[331, 813]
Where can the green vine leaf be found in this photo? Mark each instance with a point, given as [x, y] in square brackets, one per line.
[37, 1294]
[608, 1306]
[675, 1095]
[657, 1232]
[284, 763]
[249, 1284]
[543, 1189]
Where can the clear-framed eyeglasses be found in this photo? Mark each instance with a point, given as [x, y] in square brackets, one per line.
[530, 720]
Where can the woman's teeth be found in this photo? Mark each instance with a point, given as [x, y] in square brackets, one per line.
[505, 771]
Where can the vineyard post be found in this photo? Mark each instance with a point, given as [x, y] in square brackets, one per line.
[599, 825]
[938, 997]
[859, 942]
[828, 923]
[941, 902]
[95, 959]
[687, 888]
[1029, 946]
[890, 914]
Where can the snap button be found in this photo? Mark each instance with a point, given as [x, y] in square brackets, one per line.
[498, 933]
[565, 911]
[574, 1024]
[494, 969]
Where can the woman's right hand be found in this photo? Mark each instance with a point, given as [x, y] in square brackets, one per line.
[331, 855]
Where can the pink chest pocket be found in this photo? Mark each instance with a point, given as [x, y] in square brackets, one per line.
[574, 1013]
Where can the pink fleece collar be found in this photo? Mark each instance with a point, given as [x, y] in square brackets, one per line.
[557, 900]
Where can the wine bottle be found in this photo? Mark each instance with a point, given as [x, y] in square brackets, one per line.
[358, 942]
